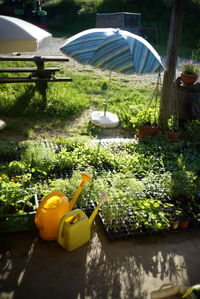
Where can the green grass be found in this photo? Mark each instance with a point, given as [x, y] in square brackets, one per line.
[21, 104]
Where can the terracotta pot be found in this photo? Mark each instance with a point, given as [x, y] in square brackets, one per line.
[183, 224]
[188, 79]
[174, 224]
[174, 136]
[146, 130]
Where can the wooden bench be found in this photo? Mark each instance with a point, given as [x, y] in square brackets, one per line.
[40, 75]
[33, 80]
[27, 69]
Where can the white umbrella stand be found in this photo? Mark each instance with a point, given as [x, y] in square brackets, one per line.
[110, 120]
[105, 119]
[2, 124]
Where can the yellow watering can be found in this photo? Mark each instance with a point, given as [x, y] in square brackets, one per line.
[75, 227]
[53, 207]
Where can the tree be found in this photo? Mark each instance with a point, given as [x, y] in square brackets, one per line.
[172, 53]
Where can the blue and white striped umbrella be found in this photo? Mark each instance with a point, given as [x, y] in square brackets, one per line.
[114, 50]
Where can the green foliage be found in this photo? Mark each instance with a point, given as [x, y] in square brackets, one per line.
[147, 183]
[8, 150]
[144, 116]
[15, 196]
[16, 168]
[65, 100]
[68, 101]
[184, 184]
[196, 53]
[41, 156]
[70, 17]
[190, 68]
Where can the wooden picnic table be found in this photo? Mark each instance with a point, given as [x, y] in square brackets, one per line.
[40, 75]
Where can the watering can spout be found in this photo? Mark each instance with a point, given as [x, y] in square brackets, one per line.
[85, 178]
[103, 199]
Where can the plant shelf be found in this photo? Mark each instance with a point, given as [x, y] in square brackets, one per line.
[18, 222]
[126, 233]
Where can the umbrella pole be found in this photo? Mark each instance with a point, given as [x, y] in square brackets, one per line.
[107, 94]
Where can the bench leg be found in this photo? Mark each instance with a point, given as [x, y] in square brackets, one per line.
[42, 88]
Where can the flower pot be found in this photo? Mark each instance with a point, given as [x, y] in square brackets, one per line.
[188, 79]
[147, 130]
[174, 136]
[183, 224]
[174, 225]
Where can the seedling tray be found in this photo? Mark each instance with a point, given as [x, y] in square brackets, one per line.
[18, 222]
[126, 232]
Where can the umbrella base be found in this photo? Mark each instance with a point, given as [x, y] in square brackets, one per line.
[2, 124]
[109, 120]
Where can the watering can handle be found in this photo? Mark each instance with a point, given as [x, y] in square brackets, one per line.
[63, 220]
[61, 227]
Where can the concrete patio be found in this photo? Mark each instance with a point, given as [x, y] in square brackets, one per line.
[33, 268]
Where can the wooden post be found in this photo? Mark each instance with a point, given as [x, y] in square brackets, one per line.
[41, 86]
[172, 52]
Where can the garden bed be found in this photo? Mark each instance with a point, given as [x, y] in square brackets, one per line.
[147, 183]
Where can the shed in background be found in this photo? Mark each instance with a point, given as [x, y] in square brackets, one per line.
[122, 20]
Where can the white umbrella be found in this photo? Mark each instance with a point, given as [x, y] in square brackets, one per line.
[17, 35]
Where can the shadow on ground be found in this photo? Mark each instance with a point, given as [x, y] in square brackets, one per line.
[33, 268]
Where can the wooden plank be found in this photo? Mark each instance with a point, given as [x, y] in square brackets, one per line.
[27, 70]
[34, 58]
[34, 79]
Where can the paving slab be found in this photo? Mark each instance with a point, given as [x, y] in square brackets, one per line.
[33, 268]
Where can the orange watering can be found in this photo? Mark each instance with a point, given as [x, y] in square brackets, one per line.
[75, 227]
[53, 207]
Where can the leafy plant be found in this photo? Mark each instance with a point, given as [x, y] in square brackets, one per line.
[8, 150]
[39, 155]
[15, 196]
[145, 116]
[173, 124]
[184, 184]
[190, 67]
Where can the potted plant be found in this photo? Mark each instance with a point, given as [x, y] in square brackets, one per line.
[174, 218]
[174, 130]
[18, 204]
[189, 72]
[184, 221]
[184, 213]
[145, 123]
